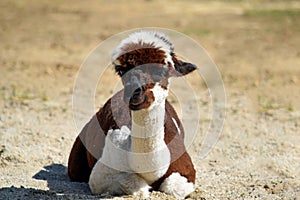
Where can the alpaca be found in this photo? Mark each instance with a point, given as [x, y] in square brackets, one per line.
[135, 142]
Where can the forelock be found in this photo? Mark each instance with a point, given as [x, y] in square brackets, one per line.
[144, 39]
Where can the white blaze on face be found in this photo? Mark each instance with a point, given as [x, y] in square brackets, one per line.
[160, 94]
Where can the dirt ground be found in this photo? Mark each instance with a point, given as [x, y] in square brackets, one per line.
[255, 44]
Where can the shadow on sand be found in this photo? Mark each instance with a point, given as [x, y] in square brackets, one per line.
[60, 187]
[58, 180]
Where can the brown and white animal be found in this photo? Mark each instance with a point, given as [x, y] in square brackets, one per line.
[135, 142]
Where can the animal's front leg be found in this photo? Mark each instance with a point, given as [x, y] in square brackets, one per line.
[129, 182]
[104, 179]
[111, 173]
[134, 184]
[177, 186]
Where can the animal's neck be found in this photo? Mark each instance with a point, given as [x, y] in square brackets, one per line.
[149, 156]
[148, 129]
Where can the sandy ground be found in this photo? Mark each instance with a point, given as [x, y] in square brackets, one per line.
[255, 45]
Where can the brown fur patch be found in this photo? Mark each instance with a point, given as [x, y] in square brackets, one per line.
[134, 46]
[141, 56]
[149, 94]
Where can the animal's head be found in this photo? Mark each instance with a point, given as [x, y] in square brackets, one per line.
[146, 61]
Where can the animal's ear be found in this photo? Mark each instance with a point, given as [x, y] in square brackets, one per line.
[182, 68]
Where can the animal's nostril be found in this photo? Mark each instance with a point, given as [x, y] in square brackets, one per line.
[137, 92]
[132, 92]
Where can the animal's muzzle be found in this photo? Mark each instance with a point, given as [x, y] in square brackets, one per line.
[133, 91]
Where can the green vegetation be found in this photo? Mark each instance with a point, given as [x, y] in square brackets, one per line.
[17, 94]
[274, 13]
[290, 108]
[197, 32]
[267, 104]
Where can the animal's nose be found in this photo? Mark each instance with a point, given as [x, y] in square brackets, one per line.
[133, 89]
[137, 94]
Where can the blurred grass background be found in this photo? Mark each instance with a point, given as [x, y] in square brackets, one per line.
[254, 43]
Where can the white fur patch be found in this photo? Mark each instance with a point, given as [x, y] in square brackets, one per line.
[158, 39]
[104, 179]
[160, 95]
[150, 165]
[134, 184]
[178, 129]
[115, 150]
[177, 186]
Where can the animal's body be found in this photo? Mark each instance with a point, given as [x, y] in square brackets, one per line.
[135, 142]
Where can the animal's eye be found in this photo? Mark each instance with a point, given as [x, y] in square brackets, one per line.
[120, 70]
